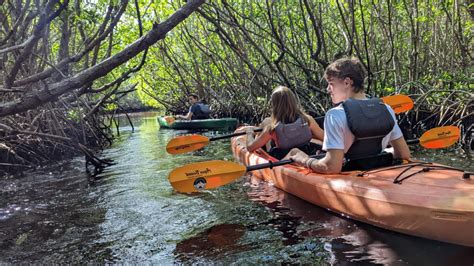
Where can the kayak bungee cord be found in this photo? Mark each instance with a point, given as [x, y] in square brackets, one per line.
[397, 165]
[408, 166]
[423, 170]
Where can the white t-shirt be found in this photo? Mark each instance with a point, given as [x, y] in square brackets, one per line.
[338, 136]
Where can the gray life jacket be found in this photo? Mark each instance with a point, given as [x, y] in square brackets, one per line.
[293, 134]
[370, 121]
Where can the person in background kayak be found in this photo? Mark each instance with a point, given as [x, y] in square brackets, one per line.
[357, 128]
[289, 127]
[197, 110]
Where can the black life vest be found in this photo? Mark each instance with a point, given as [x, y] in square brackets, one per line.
[202, 111]
[370, 121]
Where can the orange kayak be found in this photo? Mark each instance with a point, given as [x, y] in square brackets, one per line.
[416, 198]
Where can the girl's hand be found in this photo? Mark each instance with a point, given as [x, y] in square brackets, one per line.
[249, 131]
[246, 129]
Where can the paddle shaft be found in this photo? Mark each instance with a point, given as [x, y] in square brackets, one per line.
[283, 162]
[400, 103]
[233, 135]
[413, 141]
[319, 120]
[190, 178]
[277, 163]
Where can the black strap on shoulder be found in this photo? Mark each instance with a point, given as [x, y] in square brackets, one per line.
[370, 121]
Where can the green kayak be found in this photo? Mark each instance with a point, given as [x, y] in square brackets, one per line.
[225, 124]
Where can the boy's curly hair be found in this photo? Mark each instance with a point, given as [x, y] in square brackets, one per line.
[348, 67]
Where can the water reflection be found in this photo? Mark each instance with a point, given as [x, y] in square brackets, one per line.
[214, 243]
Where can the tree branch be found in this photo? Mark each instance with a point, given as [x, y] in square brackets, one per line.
[157, 33]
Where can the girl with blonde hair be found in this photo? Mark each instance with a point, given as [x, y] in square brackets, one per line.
[289, 126]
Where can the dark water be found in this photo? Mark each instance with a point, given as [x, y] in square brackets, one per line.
[131, 214]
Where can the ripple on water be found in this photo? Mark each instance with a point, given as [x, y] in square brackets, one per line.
[10, 210]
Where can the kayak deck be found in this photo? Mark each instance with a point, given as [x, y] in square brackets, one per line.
[227, 124]
[430, 201]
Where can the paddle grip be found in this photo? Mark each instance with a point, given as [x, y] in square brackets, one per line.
[277, 163]
[234, 135]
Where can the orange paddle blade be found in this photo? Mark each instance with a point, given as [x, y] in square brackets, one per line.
[205, 175]
[400, 103]
[183, 144]
[169, 120]
[440, 137]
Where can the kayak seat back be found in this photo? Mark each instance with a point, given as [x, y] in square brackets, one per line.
[370, 162]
